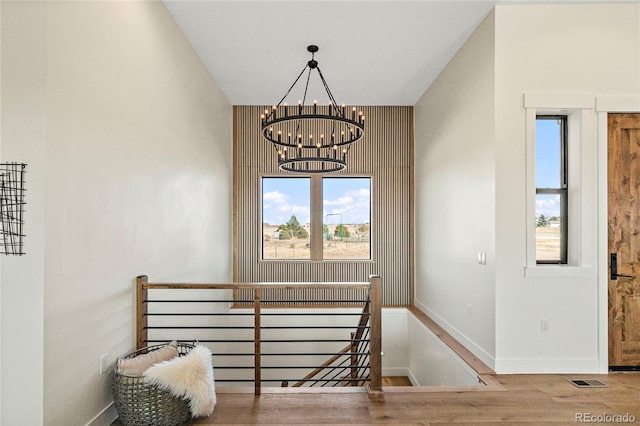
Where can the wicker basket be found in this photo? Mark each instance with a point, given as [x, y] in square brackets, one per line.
[142, 404]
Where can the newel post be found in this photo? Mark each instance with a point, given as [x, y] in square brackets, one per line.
[257, 341]
[375, 303]
[141, 311]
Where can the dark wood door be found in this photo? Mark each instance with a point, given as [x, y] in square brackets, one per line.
[624, 240]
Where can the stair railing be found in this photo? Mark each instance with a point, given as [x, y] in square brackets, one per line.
[352, 363]
[364, 362]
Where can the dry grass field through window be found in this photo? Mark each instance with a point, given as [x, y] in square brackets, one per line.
[355, 246]
[547, 243]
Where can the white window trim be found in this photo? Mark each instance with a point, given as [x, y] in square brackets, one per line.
[574, 106]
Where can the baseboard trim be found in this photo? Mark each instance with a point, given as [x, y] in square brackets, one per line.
[548, 366]
[105, 417]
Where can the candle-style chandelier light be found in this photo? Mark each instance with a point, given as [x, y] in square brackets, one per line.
[312, 138]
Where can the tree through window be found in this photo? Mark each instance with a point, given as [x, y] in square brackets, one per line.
[286, 209]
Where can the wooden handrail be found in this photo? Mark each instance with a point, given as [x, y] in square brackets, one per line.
[364, 318]
[268, 285]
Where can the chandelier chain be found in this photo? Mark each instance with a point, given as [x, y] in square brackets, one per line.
[306, 87]
[291, 88]
[326, 88]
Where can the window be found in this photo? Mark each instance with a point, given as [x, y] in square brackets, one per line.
[337, 227]
[551, 177]
[286, 210]
[347, 218]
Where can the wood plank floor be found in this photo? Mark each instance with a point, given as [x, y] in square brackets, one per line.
[522, 399]
[534, 399]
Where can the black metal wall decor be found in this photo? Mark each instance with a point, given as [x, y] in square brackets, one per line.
[12, 207]
[312, 138]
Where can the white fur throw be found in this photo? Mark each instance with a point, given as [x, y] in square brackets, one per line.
[188, 377]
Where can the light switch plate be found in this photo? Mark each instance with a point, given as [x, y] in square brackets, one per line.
[104, 363]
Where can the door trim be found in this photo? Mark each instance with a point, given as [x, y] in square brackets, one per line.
[604, 106]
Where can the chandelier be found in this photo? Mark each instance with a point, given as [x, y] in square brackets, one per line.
[312, 138]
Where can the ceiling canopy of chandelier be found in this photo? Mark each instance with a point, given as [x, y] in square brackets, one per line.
[312, 138]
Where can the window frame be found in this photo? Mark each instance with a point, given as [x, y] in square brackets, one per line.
[316, 218]
[261, 257]
[562, 190]
[578, 108]
[370, 178]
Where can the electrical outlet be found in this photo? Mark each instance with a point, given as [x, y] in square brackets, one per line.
[544, 325]
[482, 258]
[469, 311]
[104, 363]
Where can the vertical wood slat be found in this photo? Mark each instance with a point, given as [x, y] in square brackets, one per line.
[141, 311]
[411, 203]
[375, 322]
[236, 198]
[385, 153]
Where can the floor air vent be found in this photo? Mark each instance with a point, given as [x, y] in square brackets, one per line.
[588, 383]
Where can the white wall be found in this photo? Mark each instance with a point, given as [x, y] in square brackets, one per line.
[136, 179]
[470, 159]
[22, 279]
[592, 49]
[0, 262]
[454, 196]
[431, 362]
[395, 342]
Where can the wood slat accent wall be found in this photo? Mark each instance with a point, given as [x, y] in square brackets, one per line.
[385, 153]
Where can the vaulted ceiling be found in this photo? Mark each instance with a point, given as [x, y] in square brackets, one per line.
[371, 52]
